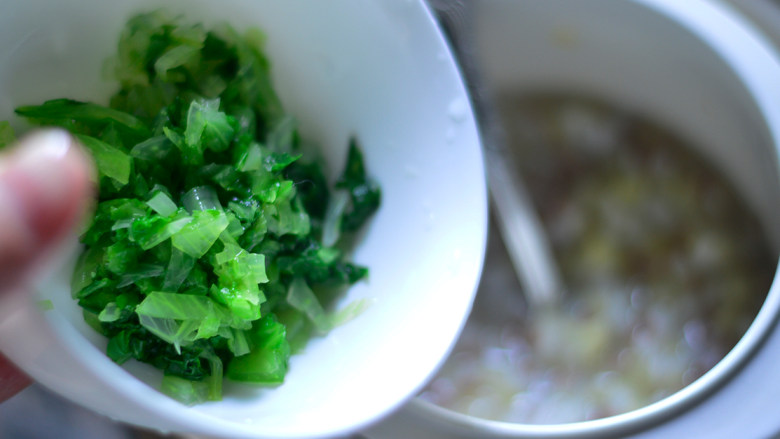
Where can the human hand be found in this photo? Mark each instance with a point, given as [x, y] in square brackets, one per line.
[45, 188]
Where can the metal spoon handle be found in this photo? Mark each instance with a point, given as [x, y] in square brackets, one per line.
[522, 231]
[518, 223]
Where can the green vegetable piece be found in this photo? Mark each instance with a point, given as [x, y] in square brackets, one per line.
[153, 149]
[238, 342]
[140, 273]
[244, 211]
[151, 231]
[177, 139]
[162, 204]
[242, 300]
[214, 380]
[125, 211]
[135, 50]
[91, 319]
[110, 161]
[201, 198]
[364, 192]
[198, 235]
[178, 333]
[188, 392]
[243, 267]
[178, 318]
[252, 159]
[68, 113]
[111, 136]
[255, 233]
[110, 313]
[207, 127]
[349, 312]
[176, 306]
[331, 227]
[119, 347]
[299, 328]
[227, 177]
[282, 136]
[234, 228]
[252, 83]
[86, 269]
[121, 256]
[302, 298]
[282, 219]
[97, 295]
[276, 161]
[311, 186]
[267, 363]
[175, 57]
[179, 267]
[95, 287]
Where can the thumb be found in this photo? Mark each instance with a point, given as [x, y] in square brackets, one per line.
[45, 187]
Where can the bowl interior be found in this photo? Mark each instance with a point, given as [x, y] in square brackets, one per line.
[378, 70]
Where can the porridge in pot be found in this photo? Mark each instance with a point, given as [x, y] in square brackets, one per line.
[665, 267]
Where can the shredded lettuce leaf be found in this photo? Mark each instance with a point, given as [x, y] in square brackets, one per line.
[72, 114]
[201, 198]
[161, 203]
[110, 161]
[197, 236]
[302, 298]
[267, 363]
[186, 391]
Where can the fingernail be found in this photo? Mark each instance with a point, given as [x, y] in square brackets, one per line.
[49, 144]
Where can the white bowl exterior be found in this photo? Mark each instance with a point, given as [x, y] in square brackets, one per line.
[694, 66]
[380, 70]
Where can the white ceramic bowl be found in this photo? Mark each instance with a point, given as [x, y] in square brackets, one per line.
[380, 70]
[694, 66]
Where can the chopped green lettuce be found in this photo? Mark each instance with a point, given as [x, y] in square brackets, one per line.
[207, 127]
[302, 298]
[267, 362]
[161, 203]
[84, 116]
[110, 160]
[215, 243]
[364, 193]
[197, 236]
[187, 391]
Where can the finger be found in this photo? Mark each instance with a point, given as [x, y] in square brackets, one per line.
[45, 187]
[12, 380]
